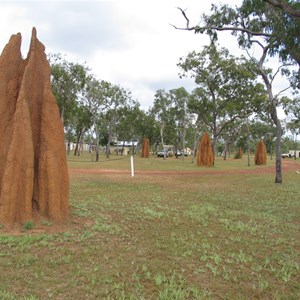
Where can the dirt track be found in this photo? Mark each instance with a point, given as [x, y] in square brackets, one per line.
[288, 165]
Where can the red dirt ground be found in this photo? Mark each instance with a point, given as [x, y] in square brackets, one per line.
[288, 165]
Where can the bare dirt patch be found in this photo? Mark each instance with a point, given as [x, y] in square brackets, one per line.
[40, 226]
[288, 165]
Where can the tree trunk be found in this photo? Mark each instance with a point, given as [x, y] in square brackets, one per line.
[80, 147]
[162, 137]
[248, 144]
[196, 141]
[295, 152]
[123, 147]
[107, 150]
[183, 143]
[278, 176]
[69, 147]
[133, 148]
[77, 141]
[214, 143]
[62, 115]
[97, 154]
[108, 146]
[108, 141]
[225, 151]
[97, 144]
[273, 114]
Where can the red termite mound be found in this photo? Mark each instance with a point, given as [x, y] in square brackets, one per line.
[205, 155]
[145, 148]
[239, 153]
[260, 153]
[34, 178]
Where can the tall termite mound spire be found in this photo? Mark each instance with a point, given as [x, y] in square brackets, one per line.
[260, 153]
[205, 155]
[34, 178]
[145, 148]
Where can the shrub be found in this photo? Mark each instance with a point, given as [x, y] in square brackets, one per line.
[28, 225]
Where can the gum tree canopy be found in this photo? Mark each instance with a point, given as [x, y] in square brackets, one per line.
[268, 26]
[226, 88]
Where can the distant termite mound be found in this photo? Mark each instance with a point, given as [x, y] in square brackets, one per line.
[260, 153]
[145, 148]
[205, 155]
[34, 180]
[239, 153]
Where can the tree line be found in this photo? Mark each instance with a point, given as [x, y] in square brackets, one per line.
[233, 97]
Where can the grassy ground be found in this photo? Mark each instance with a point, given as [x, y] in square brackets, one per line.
[194, 235]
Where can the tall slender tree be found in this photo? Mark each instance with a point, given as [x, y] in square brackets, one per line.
[257, 22]
[68, 80]
[161, 111]
[226, 88]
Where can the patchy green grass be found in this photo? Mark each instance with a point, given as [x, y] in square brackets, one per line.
[163, 236]
[157, 164]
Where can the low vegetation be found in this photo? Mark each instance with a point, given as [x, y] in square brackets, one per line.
[189, 234]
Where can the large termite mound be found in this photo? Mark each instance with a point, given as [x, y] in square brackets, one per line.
[205, 155]
[145, 148]
[34, 180]
[260, 153]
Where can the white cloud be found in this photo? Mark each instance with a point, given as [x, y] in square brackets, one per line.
[130, 43]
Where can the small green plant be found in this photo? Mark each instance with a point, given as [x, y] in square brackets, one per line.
[46, 223]
[28, 225]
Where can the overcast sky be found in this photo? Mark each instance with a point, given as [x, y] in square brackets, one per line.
[130, 43]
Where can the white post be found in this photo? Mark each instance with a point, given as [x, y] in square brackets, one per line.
[132, 166]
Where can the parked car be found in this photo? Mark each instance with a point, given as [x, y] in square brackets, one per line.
[285, 155]
[180, 153]
[162, 153]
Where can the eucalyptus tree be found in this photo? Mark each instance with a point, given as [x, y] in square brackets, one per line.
[161, 112]
[263, 128]
[257, 22]
[68, 80]
[197, 128]
[226, 88]
[230, 135]
[148, 127]
[129, 119]
[182, 115]
[136, 124]
[118, 102]
[292, 8]
[95, 99]
[81, 121]
[292, 110]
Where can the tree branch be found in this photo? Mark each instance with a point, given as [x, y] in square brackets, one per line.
[200, 29]
[285, 7]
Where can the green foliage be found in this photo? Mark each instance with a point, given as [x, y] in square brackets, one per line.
[68, 80]
[28, 225]
[256, 18]
[226, 88]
